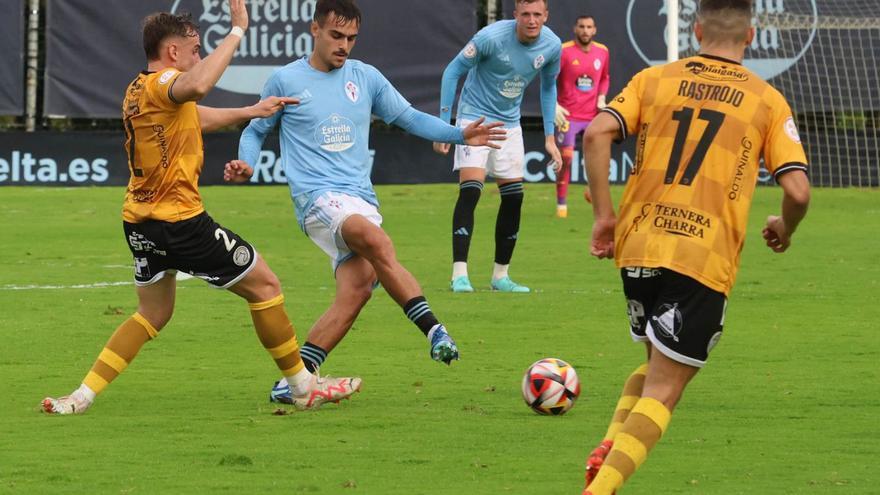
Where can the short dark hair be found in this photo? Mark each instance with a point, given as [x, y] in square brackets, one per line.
[582, 17]
[725, 20]
[345, 10]
[159, 26]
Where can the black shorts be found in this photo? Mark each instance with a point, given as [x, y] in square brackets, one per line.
[681, 317]
[198, 246]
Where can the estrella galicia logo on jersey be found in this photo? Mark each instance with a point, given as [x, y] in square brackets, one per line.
[278, 32]
[716, 72]
[470, 50]
[772, 52]
[669, 322]
[335, 134]
[352, 91]
[513, 88]
[539, 62]
[584, 83]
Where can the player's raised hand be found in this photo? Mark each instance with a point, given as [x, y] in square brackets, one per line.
[776, 234]
[237, 171]
[238, 14]
[602, 243]
[272, 104]
[442, 148]
[478, 134]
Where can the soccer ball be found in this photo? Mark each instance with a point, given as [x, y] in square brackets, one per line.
[550, 387]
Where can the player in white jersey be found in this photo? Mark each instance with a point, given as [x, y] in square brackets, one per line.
[500, 61]
[325, 154]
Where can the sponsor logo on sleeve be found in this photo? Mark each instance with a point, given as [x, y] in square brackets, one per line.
[792, 131]
[470, 50]
[166, 76]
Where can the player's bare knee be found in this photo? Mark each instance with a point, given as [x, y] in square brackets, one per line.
[158, 316]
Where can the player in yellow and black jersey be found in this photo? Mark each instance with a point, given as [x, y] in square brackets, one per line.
[702, 126]
[165, 224]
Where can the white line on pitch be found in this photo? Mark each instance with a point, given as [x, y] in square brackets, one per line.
[98, 285]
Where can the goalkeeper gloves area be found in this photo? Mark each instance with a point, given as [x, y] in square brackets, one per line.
[560, 120]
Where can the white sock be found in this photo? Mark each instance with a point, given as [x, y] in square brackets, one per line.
[86, 393]
[500, 271]
[459, 269]
[433, 329]
[301, 382]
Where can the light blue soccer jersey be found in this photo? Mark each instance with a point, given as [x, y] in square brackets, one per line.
[325, 138]
[499, 67]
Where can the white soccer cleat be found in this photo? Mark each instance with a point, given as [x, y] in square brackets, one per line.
[327, 389]
[74, 403]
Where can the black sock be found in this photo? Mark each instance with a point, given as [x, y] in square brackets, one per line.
[463, 218]
[313, 356]
[507, 223]
[418, 311]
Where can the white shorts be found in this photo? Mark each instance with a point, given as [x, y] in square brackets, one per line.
[506, 163]
[324, 222]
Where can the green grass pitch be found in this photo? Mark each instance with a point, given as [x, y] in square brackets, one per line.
[788, 403]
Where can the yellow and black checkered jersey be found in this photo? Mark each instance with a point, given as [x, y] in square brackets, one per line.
[165, 151]
[703, 124]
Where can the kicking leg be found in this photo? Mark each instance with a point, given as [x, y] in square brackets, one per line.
[369, 241]
[261, 288]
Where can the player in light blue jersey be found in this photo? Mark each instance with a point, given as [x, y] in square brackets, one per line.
[325, 154]
[500, 61]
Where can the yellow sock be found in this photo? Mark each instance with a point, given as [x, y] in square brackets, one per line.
[642, 430]
[632, 392]
[277, 335]
[119, 351]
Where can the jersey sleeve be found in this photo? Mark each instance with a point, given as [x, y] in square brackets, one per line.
[783, 151]
[605, 78]
[388, 103]
[627, 106]
[159, 88]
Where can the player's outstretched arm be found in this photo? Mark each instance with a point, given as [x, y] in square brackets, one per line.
[479, 134]
[597, 153]
[432, 128]
[212, 119]
[195, 83]
[795, 201]
[237, 171]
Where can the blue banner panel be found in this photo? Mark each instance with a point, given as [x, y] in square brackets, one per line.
[87, 75]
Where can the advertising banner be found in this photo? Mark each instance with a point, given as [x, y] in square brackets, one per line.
[12, 57]
[87, 75]
[98, 159]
